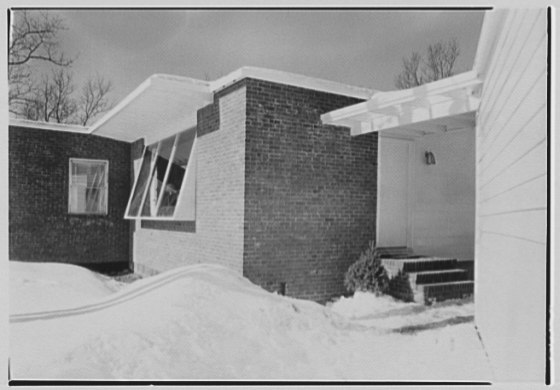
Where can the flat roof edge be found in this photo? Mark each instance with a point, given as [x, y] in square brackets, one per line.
[292, 79]
[48, 125]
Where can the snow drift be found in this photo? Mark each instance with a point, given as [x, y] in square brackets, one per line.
[207, 322]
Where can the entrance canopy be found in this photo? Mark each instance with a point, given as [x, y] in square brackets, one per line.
[439, 106]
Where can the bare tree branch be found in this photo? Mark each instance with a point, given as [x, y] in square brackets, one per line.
[52, 99]
[438, 64]
[93, 99]
[411, 75]
[35, 38]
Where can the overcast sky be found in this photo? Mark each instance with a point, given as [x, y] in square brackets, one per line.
[363, 48]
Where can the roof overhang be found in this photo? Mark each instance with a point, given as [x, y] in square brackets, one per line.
[164, 104]
[48, 126]
[427, 108]
[161, 106]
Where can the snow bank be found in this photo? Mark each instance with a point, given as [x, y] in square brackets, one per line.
[385, 312]
[50, 286]
[207, 322]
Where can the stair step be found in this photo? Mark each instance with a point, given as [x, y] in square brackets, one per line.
[439, 276]
[409, 265]
[435, 292]
[394, 251]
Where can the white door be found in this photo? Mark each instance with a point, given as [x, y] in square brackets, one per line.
[393, 187]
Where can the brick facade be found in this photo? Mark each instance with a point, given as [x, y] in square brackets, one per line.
[217, 234]
[310, 191]
[281, 198]
[40, 227]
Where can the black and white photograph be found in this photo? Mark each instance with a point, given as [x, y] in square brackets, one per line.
[246, 195]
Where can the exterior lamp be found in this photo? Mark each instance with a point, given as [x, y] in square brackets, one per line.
[430, 158]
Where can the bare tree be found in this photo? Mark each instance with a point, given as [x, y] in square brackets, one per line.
[438, 64]
[411, 76]
[51, 99]
[93, 99]
[34, 37]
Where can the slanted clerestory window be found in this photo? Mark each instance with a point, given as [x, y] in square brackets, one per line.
[88, 186]
[164, 187]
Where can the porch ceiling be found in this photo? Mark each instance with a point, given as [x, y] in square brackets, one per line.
[442, 105]
[161, 106]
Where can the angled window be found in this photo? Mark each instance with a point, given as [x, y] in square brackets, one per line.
[88, 188]
[161, 190]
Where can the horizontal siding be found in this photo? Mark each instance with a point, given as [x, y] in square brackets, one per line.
[512, 199]
[513, 61]
[526, 98]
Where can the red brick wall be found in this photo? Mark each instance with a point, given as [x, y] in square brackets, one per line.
[40, 227]
[217, 234]
[310, 191]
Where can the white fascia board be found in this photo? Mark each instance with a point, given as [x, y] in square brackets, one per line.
[162, 81]
[197, 91]
[435, 88]
[122, 104]
[492, 26]
[417, 114]
[382, 102]
[48, 125]
[293, 79]
[201, 92]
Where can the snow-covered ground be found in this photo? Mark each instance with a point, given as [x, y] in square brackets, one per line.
[207, 322]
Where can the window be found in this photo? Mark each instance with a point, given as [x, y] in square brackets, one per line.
[88, 186]
[164, 187]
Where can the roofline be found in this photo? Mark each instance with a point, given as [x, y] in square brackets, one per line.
[492, 26]
[48, 125]
[294, 79]
[270, 75]
[194, 84]
[390, 98]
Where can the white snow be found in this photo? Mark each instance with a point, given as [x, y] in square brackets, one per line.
[207, 322]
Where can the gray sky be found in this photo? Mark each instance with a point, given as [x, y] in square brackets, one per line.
[357, 47]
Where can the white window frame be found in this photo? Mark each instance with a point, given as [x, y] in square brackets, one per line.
[182, 190]
[73, 160]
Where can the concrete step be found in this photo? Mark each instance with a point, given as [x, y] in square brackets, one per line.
[438, 276]
[394, 251]
[418, 264]
[436, 292]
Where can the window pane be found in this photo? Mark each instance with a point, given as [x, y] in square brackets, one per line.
[141, 183]
[177, 172]
[87, 192]
[96, 175]
[77, 199]
[157, 177]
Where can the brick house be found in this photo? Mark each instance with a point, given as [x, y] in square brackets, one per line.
[286, 179]
[265, 177]
[256, 182]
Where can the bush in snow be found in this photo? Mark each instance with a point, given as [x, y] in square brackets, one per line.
[367, 274]
[400, 288]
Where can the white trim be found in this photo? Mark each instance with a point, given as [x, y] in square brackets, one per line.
[167, 172]
[176, 216]
[122, 104]
[492, 26]
[386, 110]
[135, 183]
[293, 79]
[196, 94]
[153, 165]
[105, 184]
[48, 126]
